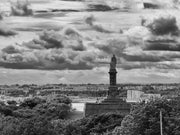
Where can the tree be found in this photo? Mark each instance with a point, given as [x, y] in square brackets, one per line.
[34, 117]
[61, 99]
[32, 102]
[144, 118]
[96, 124]
[11, 102]
[9, 125]
[36, 126]
[53, 110]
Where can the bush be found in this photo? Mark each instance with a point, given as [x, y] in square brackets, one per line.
[12, 102]
[24, 113]
[36, 126]
[96, 124]
[5, 110]
[53, 110]
[61, 99]
[32, 102]
[9, 125]
[34, 116]
[144, 118]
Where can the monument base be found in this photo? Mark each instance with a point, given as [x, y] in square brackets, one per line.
[95, 108]
[107, 105]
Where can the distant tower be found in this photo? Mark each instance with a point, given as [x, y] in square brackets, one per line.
[112, 71]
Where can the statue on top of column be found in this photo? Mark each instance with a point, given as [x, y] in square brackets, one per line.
[113, 62]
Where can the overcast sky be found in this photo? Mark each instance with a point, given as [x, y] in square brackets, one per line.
[76, 47]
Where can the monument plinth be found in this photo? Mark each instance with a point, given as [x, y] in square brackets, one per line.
[113, 102]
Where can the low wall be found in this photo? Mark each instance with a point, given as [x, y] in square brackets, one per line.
[95, 108]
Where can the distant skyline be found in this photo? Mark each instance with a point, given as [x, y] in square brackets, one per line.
[76, 47]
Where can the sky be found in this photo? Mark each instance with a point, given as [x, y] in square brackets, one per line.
[73, 41]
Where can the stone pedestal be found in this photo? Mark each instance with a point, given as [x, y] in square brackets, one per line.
[105, 107]
[113, 103]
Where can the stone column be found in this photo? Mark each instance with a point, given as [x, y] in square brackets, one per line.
[113, 89]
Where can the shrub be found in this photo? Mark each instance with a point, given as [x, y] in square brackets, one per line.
[96, 124]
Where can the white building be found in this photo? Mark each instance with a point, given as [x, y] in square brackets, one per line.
[137, 96]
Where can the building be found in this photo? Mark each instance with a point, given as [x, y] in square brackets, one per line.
[134, 96]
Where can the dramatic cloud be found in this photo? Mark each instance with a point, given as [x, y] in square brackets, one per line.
[90, 20]
[1, 16]
[11, 50]
[67, 38]
[165, 35]
[112, 46]
[136, 48]
[52, 50]
[4, 31]
[162, 45]
[51, 59]
[163, 25]
[152, 45]
[21, 9]
[166, 65]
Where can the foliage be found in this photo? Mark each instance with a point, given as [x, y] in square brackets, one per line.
[11, 102]
[96, 124]
[36, 126]
[9, 125]
[5, 110]
[53, 110]
[34, 116]
[32, 102]
[61, 99]
[144, 118]
[24, 113]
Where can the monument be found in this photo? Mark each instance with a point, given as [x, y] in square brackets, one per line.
[113, 102]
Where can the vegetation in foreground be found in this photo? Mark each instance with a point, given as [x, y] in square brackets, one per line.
[144, 119]
[38, 116]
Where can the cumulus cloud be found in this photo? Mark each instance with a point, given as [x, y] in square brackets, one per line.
[21, 9]
[149, 46]
[164, 34]
[67, 38]
[4, 31]
[166, 65]
[138, 47]
[11, 50]
[163, 25]
[51, 59]
[51, 51]
[149, 56]
[112, 46]
[1, 16]
[90, 20]
[162, 45]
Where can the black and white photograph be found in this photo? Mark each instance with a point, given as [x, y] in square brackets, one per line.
[89, 67]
